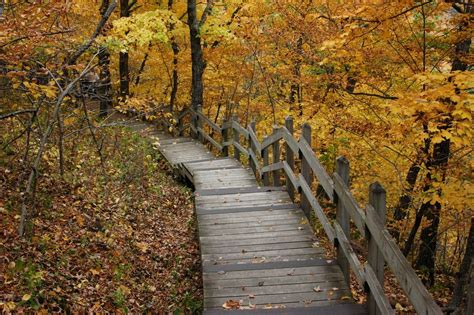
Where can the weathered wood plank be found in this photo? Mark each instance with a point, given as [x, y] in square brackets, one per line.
[294, 265]
[209, 122]
[259, 241]
[241, 130]
[256, 291]
[211, 140]
[249, 233]
[276, 174]
[409, 281]
[290, 159]
[328, 229]
[258, 260]
[344, 244]
[306, 298]
[233, 225]
[349, 203]
[224, 249]
[342, 307]
[213, 231]
[254, 236]
[254, 140]
[265, 253]
[241, 149]
[243, 190]
[318, 169]
[269, 281]
[306, 173]
[287, 271]
[258, 195]
[377, 292]
[247, 209]
[342, 217]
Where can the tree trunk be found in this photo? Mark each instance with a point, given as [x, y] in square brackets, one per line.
[124, 72]
[124, 76]
[197, 59]
[142, 68]
[405, 199]
[104, 90]
[175, 48]
[439, 161]
[295, 89]
[463, 275]
[429, 234]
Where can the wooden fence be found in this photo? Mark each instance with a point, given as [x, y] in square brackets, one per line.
[265, 159]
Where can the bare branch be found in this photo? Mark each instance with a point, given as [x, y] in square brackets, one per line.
[206, 12]
[18, 112]
[72, 60]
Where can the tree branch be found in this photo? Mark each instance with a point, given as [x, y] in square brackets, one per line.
[206, 12]
[72, 60]
[18, 112]
[36, 35]
[386, 97]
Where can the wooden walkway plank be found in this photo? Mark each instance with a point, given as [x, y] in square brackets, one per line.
[257, 247]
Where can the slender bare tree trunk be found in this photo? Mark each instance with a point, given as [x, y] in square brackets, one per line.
[124, 72]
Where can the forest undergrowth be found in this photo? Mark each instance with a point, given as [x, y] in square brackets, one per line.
[111, 236]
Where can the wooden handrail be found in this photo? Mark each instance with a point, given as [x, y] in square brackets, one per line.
[409, 281]
[350, 204]
[321, 174]
[369, 223]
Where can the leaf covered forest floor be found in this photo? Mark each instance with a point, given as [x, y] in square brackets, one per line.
[117, 236]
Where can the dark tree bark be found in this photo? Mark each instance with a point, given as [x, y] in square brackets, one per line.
[296, 96]
[198, 64]
[142, 68]
[405, 199]
[197, 58]
[175, 48]
[104, 90]
[429, 235]
[439, 161]
[463, 275]
[124, 72]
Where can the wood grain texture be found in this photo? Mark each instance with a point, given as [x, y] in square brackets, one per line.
[256, 244]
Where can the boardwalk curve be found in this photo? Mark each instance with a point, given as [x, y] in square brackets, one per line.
[257, 247]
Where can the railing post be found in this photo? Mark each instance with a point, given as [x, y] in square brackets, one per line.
[342, 217]
[180, 124]
[236, 138]
[194, 124]
[266, 162]
[276, 159]
[225, 137]
[251, 146]
[306, 171]
[199, 123]
[290, 158]
[377, 199]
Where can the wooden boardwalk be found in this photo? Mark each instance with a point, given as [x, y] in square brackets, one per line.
[256, 245]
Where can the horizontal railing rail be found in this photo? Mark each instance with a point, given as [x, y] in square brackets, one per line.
[265, 159]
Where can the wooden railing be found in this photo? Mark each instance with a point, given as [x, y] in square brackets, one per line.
[265, 159]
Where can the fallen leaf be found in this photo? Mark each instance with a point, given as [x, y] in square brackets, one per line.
[26, 297]
[231, 305]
